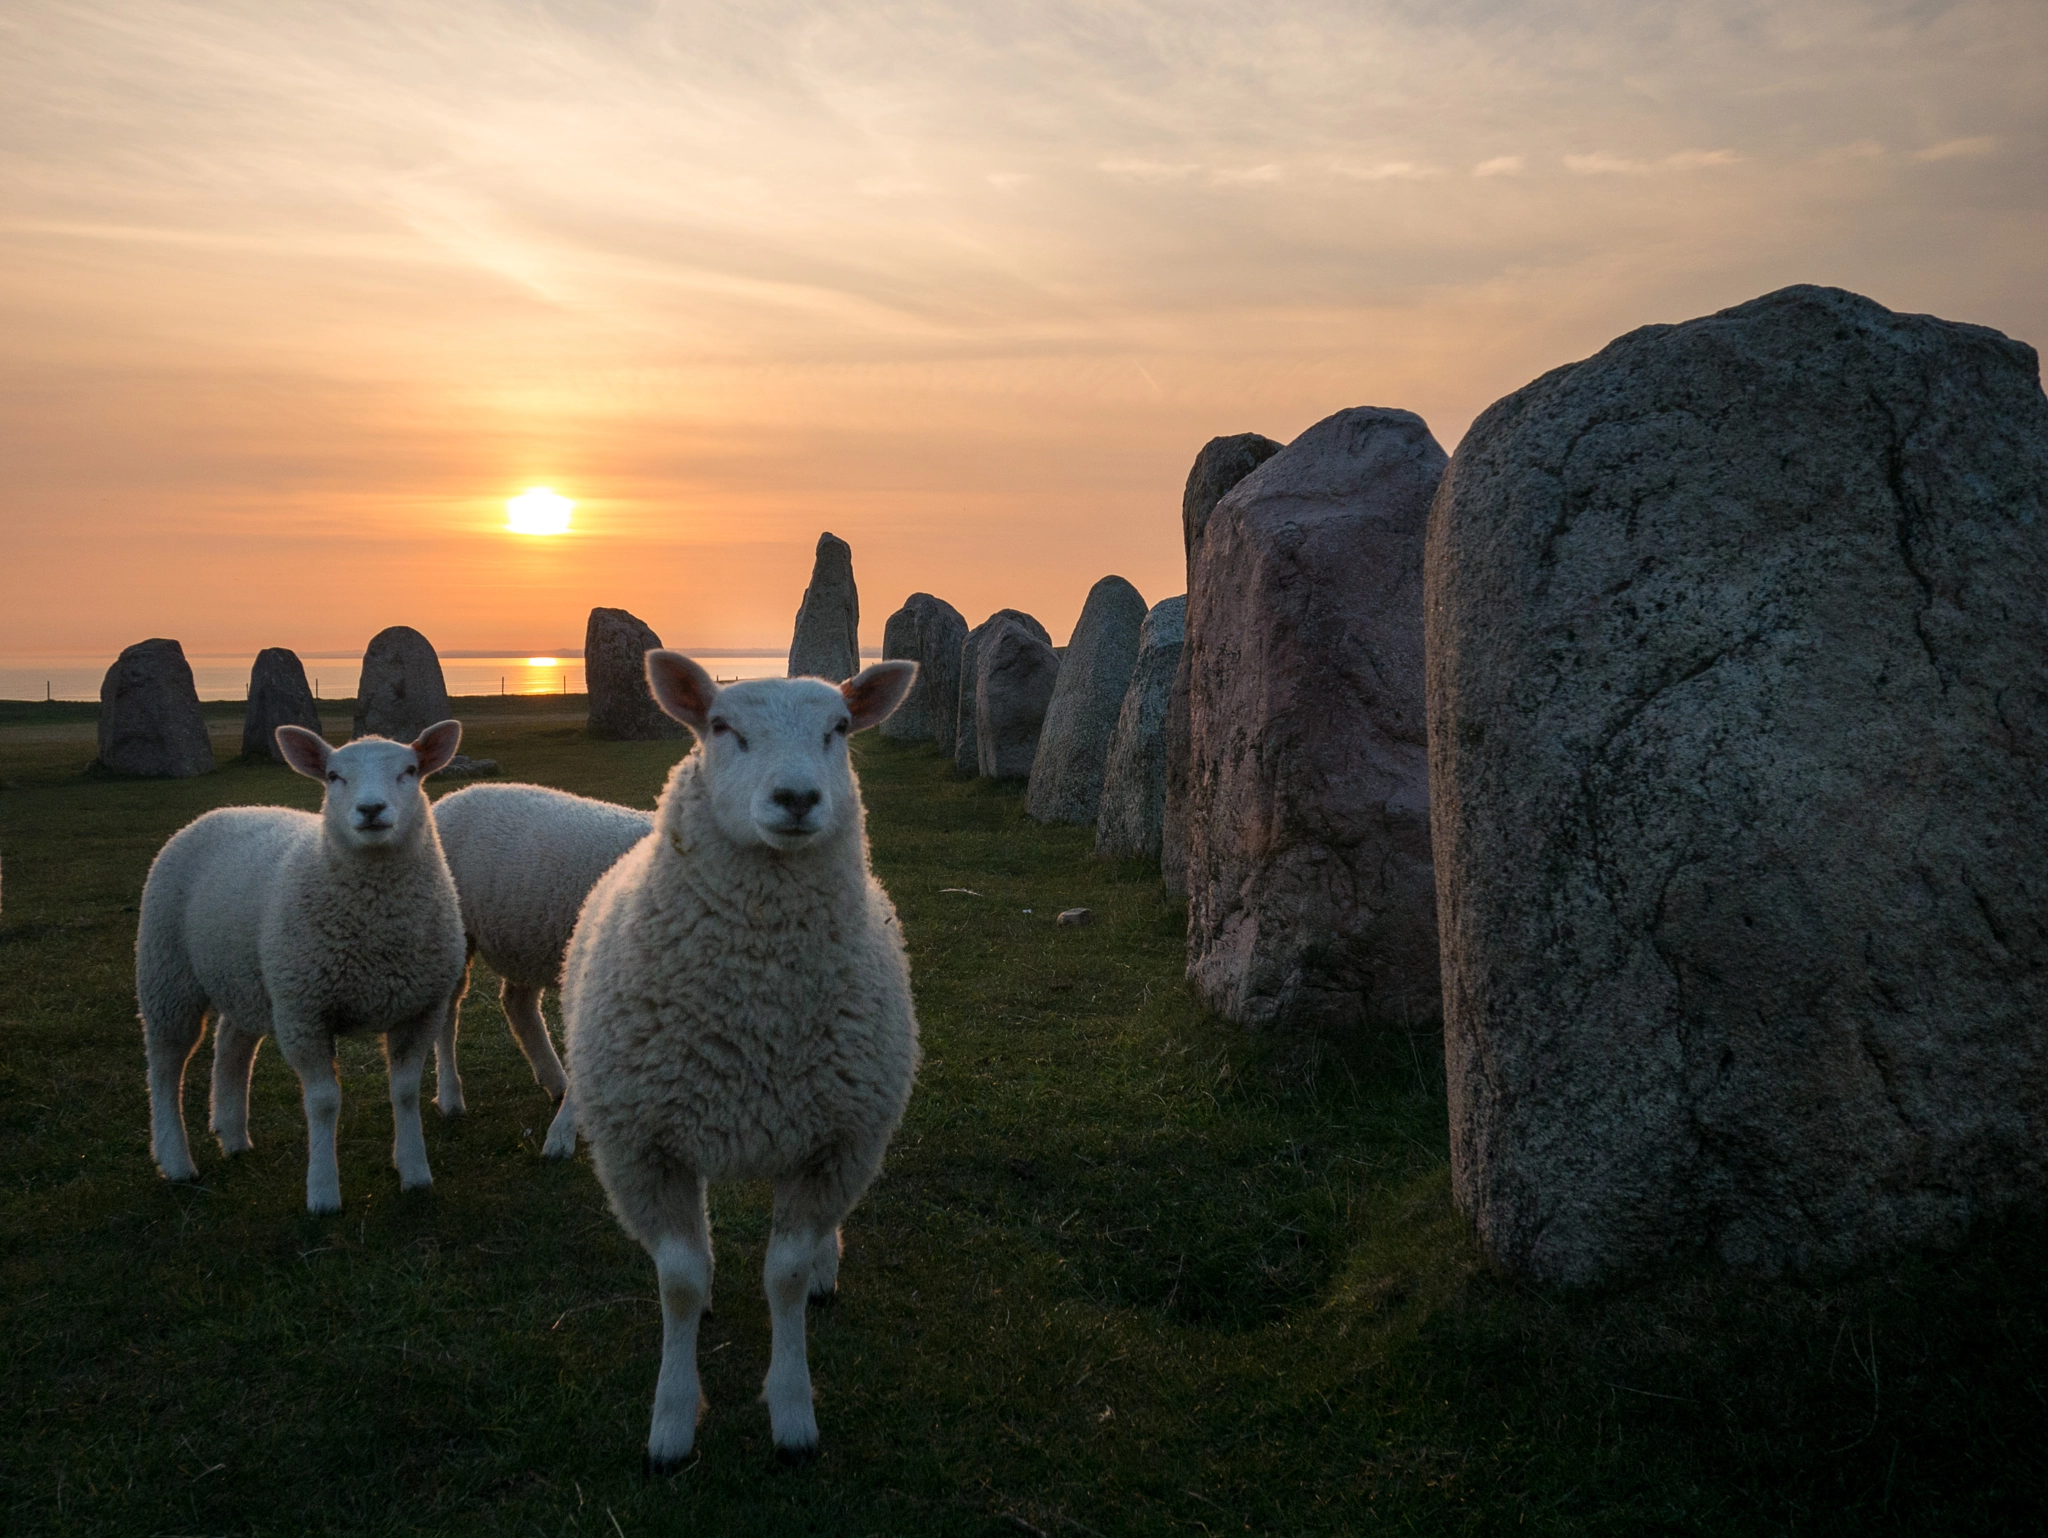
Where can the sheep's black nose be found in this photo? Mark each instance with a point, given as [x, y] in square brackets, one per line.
[369, 811]
[797, 802]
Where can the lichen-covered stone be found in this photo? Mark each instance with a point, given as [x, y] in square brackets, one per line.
[1221, 464]
[1133, 809]
[402, 692]
[278, 696]
[1310, 896]
[966, 744]
[615, 647]
[1095, 674]
[827, 639]
[927, 631]
[150, 722]
[1738, 665]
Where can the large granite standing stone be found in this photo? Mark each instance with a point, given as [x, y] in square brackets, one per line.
[927, 631]
[1016, 671]
[1095, 674]
[278, 696]
[1221, 464]
[401, 693]
[615, 647]
[150, 721]
[966, 744]
[1133, 809]
[827, 640]
[1739, 730]
[1311, 901]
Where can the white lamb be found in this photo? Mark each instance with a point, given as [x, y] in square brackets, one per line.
[524, 857]
[277, 922]
[737, 1006]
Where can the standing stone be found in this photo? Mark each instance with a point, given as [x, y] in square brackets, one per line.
[401, 693]
[1015, 674]
[278, 696]
[927, 631]
[1310, 896]
[1222, 463]
[966, 744]
[615, 648]
[1739, 731]
[1134, 780]
[150, 721]
[1095, 674]
[827, 641]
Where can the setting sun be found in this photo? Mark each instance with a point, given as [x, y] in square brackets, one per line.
[538, 511]
[541, 662]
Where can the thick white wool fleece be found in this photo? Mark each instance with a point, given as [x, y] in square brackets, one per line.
[524, 858]
[735, 1010]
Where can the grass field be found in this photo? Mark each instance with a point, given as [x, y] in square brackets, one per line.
[1128, 1269]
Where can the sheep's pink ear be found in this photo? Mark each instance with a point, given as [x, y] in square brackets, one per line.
[305, 751]
[874, 692]
[436, 745]
[681, 688]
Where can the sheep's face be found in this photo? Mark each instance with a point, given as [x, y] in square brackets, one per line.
[775, 749]
[374, 798]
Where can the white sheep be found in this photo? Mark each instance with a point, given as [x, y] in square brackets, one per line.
[736, 1004]
[524, 857]
[278, 922]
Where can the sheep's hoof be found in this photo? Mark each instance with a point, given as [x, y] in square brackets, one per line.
[796, 1455]
[453, 1112]
[824, 1299]
[661, 1468]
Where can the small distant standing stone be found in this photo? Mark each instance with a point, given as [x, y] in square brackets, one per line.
[1095, 674]
[1134, 777]
[615, 648]
[966, 746]
[402, 692]
[150, 720]
[1221, 464]
[927, 631]
[827, 640]
[1311, 897]
[1015, 674]
[278, 696]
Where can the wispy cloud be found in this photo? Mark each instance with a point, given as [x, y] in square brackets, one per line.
[1959, 149]
[1603, 164]
[1500, 165]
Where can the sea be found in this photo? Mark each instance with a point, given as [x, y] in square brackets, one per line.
[225, 675]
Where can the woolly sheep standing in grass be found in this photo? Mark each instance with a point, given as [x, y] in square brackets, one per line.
[737, 1006]
[278, 922]
[524, 857]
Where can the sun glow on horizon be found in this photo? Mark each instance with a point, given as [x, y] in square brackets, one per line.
[538, 511]
[543, 662]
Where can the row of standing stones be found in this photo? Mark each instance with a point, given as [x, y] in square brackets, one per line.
[151, 724]
[1682, 742]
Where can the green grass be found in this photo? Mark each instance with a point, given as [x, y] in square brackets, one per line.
[1128, 1269]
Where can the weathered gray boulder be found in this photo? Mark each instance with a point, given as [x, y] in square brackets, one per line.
[1310, 897]
[927, 631]
[1739, 730]
[615, 648]
[150, 721]
[1095, 674]
[1015, 674]
[966, 745]
[401, 693]
[1133, 809]
[1221, 464]
[278, 696]
[827, 640]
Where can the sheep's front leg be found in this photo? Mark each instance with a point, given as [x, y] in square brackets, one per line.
[664, 1208]
[310, 1051]
[405, 1052]
[530, 1030]
[447, 1077]
[234, 1061]
[803, 1261]
[561, 1139]
[170, 1035]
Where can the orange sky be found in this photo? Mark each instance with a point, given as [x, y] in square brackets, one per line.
[295, 295]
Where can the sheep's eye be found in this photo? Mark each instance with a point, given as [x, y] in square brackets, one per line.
[333, 778]
[718, 725]
[409, 769]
